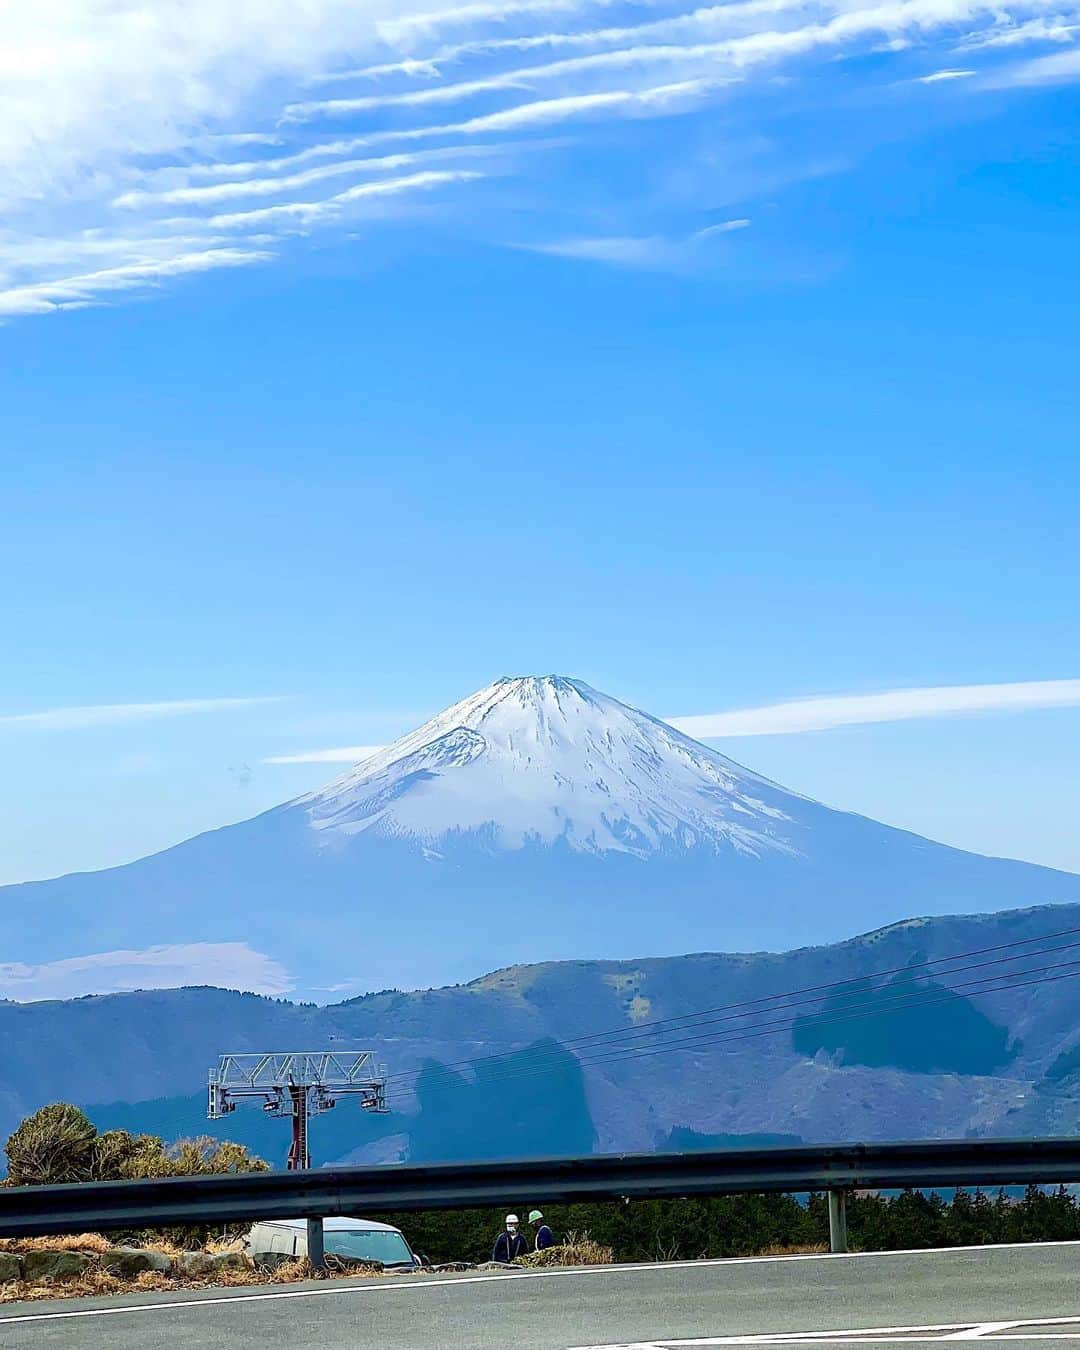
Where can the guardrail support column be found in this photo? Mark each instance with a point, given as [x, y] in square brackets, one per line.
[838, 1221]
[315, 1248]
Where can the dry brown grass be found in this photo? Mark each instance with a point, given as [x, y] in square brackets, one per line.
[69, 1242]
[96, 1281]
[796, 1249]
[579, 1249]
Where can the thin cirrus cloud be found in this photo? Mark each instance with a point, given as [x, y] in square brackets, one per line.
[276, 185]
[124, 115]
[1057, 68]
[711, 20]
[936, 76]
[1021, 34]
[648, 251]
[658, 101]
[730, 55]
[523, 76]
[308, 213]
[819, 714]
[896, 705]
[344, 754]
[76, 292]
[117, 714]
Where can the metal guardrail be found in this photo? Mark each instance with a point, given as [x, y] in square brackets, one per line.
[27, 1211]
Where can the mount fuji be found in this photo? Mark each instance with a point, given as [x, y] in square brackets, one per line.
[536, 820]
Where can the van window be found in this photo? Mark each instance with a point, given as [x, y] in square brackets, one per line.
[352, 1244]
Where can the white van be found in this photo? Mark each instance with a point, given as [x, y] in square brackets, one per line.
[269, 1244]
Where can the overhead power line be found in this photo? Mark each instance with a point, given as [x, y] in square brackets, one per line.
[1001, 982]
[781, 1002]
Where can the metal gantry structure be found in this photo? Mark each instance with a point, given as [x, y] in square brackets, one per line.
[297, 1084]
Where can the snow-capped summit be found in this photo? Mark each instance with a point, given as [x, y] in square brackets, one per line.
[537, 819]
[541, 759]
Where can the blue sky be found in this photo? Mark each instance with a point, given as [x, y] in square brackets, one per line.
[732, 362]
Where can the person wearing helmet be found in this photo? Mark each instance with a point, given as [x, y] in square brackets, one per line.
[544, 1236]
[510, 1244]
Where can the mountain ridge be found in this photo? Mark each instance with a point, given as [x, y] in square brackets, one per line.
[538, 819]
[917, 1073]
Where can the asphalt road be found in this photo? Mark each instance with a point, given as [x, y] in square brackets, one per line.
[1022, 1294]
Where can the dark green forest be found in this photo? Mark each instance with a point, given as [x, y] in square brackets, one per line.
[745, 1225]
[60, 1143]
[907, 1022]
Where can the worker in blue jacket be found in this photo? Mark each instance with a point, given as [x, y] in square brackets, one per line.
[510, 1244]
[544, 1236]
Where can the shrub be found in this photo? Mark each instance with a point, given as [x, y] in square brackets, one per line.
[55, 1144]
[579, 1249]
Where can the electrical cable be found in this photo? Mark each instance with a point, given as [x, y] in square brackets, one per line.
[917, 998]
[664, 1026]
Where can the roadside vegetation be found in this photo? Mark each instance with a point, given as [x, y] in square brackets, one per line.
[765, 1225]
[60, 1144]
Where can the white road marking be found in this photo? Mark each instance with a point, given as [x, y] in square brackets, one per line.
[977, 1333]
[887, 1336]
[389, 1285]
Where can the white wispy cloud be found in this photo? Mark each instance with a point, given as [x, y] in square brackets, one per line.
[662, 100]
[624, 251]
[109, 114]
[115, 714]
[650, 251]
[724, 227]
[711, 19]
[345, 754]
[937, 76]
[307, 213]
[412, 26]
[1058, 68]
[226, 965]
[1061, 29]
[280, 184]
[521, 77]
[817, 714]
[693, 59]
[896, 705]
[75, 292]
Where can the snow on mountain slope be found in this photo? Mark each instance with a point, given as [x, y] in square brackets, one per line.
[537, 820]
[535, 760]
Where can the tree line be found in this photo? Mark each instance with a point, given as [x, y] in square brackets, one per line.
[60, 1144]
[747, 1225]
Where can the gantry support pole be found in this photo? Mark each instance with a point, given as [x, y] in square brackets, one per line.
[838, 1221]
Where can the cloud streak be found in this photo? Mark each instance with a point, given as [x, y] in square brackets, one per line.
[694, 60]
[345, 754]
[938, 76]
[711, 19]
[279, 184]
[648, 251]
[1020, 34]
[896, 705]
[125, 115]
[118, 714]
[1058, 68]
[46, 297]
[307, 213]
[818, 714]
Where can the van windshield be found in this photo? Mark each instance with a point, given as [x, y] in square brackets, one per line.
[390, 1249]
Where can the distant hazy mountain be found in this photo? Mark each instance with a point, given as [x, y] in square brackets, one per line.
[561, 1057]
[537, 820]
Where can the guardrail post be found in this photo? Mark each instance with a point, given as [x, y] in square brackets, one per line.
[838, 1221]
[316, 1251]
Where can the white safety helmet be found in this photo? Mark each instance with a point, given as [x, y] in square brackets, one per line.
[512, 1221]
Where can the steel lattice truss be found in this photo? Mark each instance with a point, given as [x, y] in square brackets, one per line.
[297, 1084]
